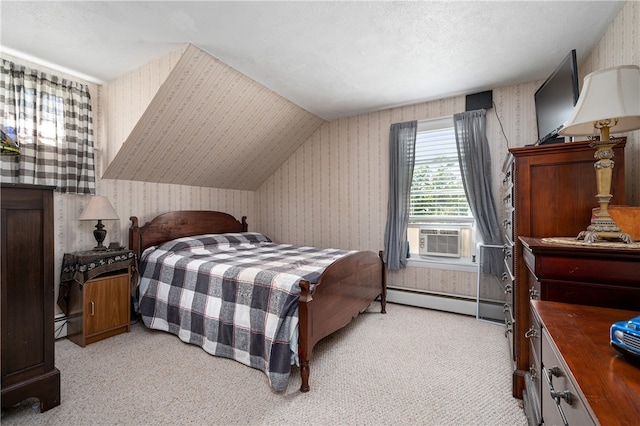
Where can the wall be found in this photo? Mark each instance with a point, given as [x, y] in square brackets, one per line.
[124, 101]
[116, 107]
[333, 190]
[620, 45]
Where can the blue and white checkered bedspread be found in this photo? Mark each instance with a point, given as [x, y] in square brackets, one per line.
[235, 295]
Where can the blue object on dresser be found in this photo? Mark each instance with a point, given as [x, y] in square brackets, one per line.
[625, 337]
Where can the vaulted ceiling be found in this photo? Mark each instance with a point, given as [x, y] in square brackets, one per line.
[209, 125]
[258, 78]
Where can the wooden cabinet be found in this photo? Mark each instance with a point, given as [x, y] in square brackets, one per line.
[27, 297]
[554, 189]
[583, 380]
[100, 308]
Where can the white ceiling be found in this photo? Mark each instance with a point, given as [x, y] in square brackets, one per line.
[334, 59]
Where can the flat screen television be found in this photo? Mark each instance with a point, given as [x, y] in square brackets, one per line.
[556, 98]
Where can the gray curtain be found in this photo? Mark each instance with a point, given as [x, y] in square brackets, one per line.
[402, 148]
[475, 167]
[52, 122]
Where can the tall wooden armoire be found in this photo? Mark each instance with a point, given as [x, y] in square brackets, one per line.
[27, 298]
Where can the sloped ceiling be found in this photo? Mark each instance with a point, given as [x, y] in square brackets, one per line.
[209, 125]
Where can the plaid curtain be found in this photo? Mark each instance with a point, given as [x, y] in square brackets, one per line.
[53, 126]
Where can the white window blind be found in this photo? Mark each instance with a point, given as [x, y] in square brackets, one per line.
[437, 190]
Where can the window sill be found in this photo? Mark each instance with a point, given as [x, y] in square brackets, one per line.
[451, 264]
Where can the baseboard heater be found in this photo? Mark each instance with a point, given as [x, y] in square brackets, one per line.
[431, 300]
[423, 299]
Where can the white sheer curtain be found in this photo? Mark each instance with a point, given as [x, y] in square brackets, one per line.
[402, 145]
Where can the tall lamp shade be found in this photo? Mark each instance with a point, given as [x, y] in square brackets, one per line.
[609, 101]
[99, 208]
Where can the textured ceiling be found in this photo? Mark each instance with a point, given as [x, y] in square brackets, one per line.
[209, 125]
[258, 78]
[332, 58]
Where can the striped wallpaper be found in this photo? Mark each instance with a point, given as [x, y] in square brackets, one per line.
[332, 190]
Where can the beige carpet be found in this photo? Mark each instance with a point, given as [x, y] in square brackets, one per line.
[410, 366]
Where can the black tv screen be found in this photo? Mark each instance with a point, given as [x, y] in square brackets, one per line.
[556, 98]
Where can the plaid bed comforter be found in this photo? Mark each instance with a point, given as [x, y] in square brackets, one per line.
[235, 295]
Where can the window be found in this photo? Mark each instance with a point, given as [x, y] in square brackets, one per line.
[437, 192]
[51, 121]
[438, 203]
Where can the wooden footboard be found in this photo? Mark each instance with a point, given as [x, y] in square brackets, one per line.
[345, 289]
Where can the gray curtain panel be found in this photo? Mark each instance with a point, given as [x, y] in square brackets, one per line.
[402, 148]
[475, 167]
[52, 120]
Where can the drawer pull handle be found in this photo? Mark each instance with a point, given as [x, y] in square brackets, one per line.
[92, 307]
[556, 395]
[533, 294]
[531, 333]
[566, 395]
[534, 372]
[508, 328]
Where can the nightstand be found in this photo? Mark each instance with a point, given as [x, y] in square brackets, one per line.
[95, 294]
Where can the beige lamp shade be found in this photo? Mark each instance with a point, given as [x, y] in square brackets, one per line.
[99, 208]
[609, 101]
[610, 94]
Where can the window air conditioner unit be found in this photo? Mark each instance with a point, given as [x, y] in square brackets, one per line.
[437, 241]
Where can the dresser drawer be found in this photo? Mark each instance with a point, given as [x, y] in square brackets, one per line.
[561, 402]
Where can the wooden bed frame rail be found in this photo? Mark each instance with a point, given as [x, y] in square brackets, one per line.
[340, 295]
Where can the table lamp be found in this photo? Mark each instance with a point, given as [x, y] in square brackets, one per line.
[610, 100]
[99, 208]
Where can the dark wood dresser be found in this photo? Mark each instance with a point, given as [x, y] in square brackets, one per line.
[584, 275]
[552, 195]
[582, 379]
[27, 297]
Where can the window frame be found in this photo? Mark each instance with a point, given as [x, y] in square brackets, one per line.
[433, 125]
[416, 222]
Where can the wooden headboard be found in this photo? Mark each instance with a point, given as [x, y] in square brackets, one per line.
[169, 226]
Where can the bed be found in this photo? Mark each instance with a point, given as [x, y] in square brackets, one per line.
[316, 300]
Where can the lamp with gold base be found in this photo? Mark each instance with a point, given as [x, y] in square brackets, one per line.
[610, 99]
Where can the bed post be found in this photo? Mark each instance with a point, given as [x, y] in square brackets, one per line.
[245, 225]
[304, 338]
[134, 236]
[383, 295]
